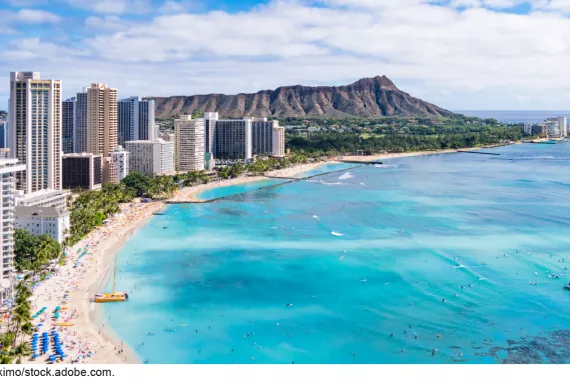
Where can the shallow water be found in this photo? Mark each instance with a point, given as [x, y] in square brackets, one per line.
[415, 231]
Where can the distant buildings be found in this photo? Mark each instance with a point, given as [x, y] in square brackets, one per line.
[151, 158]
[4, 135]
[232, 139]
[80, 135]
[262, 136]
[561, 124]
[82, 170]
[136, 119]
[188, 144]
[68, 110]
[35, 124]
[119, 165]
[209, 125]
[8, 167]
[278, 142]
[102, 127]
[43, 220]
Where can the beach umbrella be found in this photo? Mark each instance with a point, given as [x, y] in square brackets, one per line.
[35, 356]
[40, 325]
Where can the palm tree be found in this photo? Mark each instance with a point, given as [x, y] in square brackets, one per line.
[22, 349]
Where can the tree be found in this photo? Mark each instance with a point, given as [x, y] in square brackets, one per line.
[138, 181]
[34, 253]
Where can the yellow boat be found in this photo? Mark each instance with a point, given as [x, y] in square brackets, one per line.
[113, 296]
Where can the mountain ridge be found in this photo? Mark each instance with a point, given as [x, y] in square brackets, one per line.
[367, 97]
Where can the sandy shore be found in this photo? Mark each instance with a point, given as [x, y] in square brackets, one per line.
[386, 156]
[81, 277]
[189, 194]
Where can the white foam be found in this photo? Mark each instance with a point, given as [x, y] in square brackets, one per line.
[334, 233]
[346, 175]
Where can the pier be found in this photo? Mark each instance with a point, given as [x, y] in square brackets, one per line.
[287, 180]
[475, 152]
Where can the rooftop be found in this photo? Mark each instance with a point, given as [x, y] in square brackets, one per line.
[51, 212]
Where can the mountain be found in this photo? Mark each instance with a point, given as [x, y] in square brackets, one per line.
[369, 97]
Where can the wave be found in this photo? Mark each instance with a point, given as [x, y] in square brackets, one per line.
[346, 175]
[334, 233]
[332, 183]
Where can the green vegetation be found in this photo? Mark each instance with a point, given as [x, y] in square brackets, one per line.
[13, 341]
[34, 253]
[330, 136]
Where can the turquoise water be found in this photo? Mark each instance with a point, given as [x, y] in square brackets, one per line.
[224, 191]
[471, 229]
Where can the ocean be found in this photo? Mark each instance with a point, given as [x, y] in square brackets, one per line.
[516, 116]
[446, 258]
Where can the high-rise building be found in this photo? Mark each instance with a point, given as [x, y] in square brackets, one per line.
[102, 129]
[188, 144]
[561, 128]
[278, 141]
[7, 169]
[68, 125]
[232, 139]
[4, 135]
[262, 136]
[80, 138]
[136, 119]
[151, 158]
[119, 165]
[209, 126]
[43, 221]
[82, 170]
[35, 123]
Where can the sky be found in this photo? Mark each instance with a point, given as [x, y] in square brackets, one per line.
[458, 54]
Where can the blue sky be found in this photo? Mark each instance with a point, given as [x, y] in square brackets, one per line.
[459, 54]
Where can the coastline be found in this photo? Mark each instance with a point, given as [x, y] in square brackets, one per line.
[83, 280]
[190, 194]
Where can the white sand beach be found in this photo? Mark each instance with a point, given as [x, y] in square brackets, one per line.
[75, 283]
[189, 194]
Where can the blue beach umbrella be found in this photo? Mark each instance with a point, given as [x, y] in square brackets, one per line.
[35, 356]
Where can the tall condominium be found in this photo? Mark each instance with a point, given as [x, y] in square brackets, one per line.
[7, 169]
[82, 171]
[136, 119]
[102, 129]
[119, 165]
[278, 141]
[209, 126]
[151, 158]
[232, 139]
[35, 123]
[188, 144]
[68, 124]
[80, 138]
[262, 136]
[4, 135]
[561, 123]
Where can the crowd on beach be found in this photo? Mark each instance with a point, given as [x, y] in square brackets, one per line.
[67, 291]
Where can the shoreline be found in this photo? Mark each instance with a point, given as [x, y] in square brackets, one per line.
[190, 194]
[81, 277]
[83, 280]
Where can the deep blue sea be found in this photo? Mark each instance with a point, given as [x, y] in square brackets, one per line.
[516, 116]
[443, 259]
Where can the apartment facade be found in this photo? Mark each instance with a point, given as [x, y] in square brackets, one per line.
[8, 168]
[210, 119]
[136, 119]
[82, 170]
[102, 127]
[278, 141]
[80, 136]
[43, 198]
[36, 132]
[232, 139]
[262, 136]
[119, 165]
[68, 125]
[188, 144]
[43, 221]
[151, 158]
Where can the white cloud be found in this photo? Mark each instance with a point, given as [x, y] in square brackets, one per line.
[180, 6]
[468, 59]
[36, 16]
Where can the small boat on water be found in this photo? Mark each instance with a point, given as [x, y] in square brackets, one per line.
[334, 233]
[567, 287]
[159, 213]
